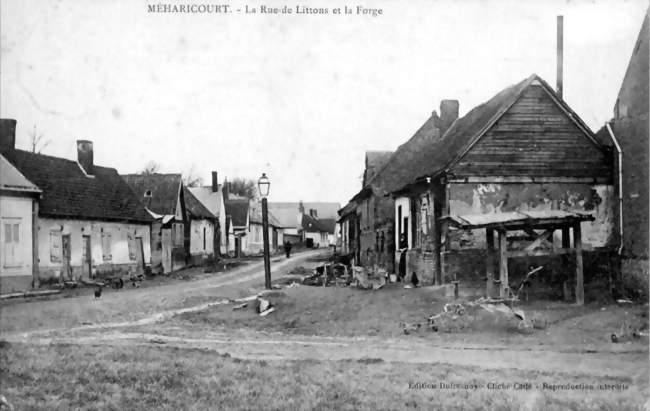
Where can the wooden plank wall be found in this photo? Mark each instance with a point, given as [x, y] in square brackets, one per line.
[534, 138]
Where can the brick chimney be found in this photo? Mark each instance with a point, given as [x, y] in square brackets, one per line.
[85, 155]
[215, 182]
[226, 189]
[448, 113]
[7, 134]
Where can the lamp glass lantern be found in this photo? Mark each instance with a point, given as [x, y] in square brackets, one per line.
[264, 184]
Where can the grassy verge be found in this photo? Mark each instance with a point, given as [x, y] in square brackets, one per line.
[122, 378]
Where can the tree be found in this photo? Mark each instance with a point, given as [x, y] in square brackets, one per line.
[191, 178]
[37, 141]
[244, 187]
[151, 167]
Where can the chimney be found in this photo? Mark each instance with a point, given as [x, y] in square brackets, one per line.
[215, 182]
[7, 134]
[448, 113]
[226, 189]
[85, 155]
[560, 56]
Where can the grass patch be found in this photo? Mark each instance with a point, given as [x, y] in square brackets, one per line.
[123, 378]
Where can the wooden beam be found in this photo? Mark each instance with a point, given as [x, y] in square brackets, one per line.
[529, 179]
[538, 253]
[566, 244]
[489, 263]
[503, 263]
[577, 244]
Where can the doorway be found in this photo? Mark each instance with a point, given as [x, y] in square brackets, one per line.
[139, 254]
[167, 250]
[86, 259]
[66, 251]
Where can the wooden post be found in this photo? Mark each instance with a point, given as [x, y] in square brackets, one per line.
[489, 263]
[34, 233]
[577, 244]
[566, 243]
[503, 262]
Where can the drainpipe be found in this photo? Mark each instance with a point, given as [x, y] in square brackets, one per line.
[620, 186]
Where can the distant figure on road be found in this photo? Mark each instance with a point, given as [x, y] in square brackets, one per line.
[287, 248]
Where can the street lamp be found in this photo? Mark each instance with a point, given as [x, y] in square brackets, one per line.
[264, 184]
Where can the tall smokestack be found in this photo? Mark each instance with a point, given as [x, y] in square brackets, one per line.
[560, 57]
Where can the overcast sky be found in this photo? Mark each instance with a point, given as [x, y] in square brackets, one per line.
[301, 97]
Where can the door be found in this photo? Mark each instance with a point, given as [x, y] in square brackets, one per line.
[237, 247]
[139, 254]
[167, 250]
[66, 251]
[86, 258]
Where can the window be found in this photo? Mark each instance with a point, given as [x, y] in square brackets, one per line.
[11, 246]
[204, 229]
[106, 246]
[55, 247]
[131, 243]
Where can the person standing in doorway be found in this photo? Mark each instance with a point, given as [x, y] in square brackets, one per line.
[403, 247]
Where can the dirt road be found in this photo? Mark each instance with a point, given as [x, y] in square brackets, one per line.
[131, 305]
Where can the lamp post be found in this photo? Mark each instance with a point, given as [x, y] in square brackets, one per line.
[264, 184]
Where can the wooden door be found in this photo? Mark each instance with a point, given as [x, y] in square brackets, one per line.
[66, 251]
[139, 254]
[167, 245]
[86, 258]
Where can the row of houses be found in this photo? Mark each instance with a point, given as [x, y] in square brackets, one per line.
[66, 219]
[522, 151]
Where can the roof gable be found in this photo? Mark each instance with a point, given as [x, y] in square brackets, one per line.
[238, 212]
[535, 134]
[195, 208]
[464, 133]
[212, 200]
[13, 180]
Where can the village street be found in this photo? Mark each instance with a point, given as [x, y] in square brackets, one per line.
[142, 320]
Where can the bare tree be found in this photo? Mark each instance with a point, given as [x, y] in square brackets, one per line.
[151, 167]
[191, 178]
[38, 141]
[244, 187]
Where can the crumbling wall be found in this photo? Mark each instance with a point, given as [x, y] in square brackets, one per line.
[597, 200]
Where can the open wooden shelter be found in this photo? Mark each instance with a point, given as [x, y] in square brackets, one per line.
[538, 228]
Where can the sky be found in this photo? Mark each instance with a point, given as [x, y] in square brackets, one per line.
[300, 97]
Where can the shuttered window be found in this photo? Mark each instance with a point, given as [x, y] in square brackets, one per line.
[131, 243]
[106, 246]
[55, 247]
[11, 244]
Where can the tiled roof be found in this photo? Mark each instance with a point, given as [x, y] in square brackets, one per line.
[212, 200]
[164, 189]
[312, 225]
[238, 211]
[256, 215]
[194, 207]
[69, 193]
[12, 180]
[375, 160]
